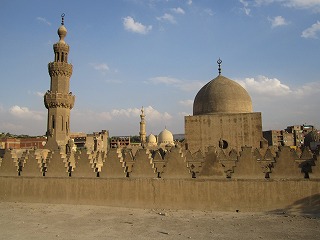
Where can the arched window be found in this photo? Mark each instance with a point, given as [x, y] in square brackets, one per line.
[67, 124]
[53, 122]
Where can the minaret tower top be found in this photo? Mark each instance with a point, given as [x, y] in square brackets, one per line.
[62, 31]
[143, 134]
[59, 100]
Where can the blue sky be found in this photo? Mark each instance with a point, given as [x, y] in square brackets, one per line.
[158, 54]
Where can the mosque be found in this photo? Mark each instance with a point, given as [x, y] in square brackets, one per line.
[223, 145]
[222, 111]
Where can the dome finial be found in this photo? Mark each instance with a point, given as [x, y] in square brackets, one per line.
[62, 18]
[62, 31]
[219, 65]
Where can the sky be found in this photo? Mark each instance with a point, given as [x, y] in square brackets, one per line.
[158, 54]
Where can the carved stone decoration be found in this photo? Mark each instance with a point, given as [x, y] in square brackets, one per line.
[267, 162]
[228, 162]
[194, 162]
[60, 69]
[55, 100]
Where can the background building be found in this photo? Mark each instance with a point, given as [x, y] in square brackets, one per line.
[293, 136]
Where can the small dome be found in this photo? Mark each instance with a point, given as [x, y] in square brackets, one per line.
[222, 95]
[62, 32]
[165, 137]
[152, 139]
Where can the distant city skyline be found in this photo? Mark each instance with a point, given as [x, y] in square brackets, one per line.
[158, 54]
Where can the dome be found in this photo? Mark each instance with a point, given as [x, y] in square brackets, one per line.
[165, 137]
[62, 32]
[152, 139]
[222, 95]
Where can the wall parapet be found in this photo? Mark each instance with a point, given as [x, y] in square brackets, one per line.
[196, 194]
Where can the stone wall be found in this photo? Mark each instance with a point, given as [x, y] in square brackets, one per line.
[235, 129]
[218, 179]
[211, 194]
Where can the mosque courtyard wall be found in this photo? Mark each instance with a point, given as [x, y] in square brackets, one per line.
[197, 194]
[249, 180]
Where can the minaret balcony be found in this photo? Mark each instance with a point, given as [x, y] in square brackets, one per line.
[60, 69]
[55, 100]
[60, 47]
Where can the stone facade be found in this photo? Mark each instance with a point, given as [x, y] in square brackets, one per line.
[227, 130]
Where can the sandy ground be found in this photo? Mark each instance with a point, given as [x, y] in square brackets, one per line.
[60, 221]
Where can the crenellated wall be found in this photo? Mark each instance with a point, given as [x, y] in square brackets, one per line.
[249, 180]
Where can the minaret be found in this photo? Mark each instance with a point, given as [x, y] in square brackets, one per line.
[142, 133]
[58, 100]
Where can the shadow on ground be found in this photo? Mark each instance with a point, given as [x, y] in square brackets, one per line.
[309, 206]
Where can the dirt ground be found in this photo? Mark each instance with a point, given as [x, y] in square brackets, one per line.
[60, 221]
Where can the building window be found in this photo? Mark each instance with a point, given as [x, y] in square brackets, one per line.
[53, 122]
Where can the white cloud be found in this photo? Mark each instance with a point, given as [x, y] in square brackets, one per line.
[129, 112]
[245, 7]
[102, 67]
[164, 80]
[43, 20]
[155, 115]
[178, 10]
[209, 11]
[282, 105]
[105, 116]
[131, 25]
[299, 4]
[187, 103]
[183, 114]
[25, 113]
[278, 21]
[312, 31]
[39, 94]
[123, 121]
[150, 112]
[21, 120]
[167, 18]
[266, 86]
[177, 83]
[189, 2]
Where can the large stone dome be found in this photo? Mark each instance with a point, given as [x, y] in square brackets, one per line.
[222, 95]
